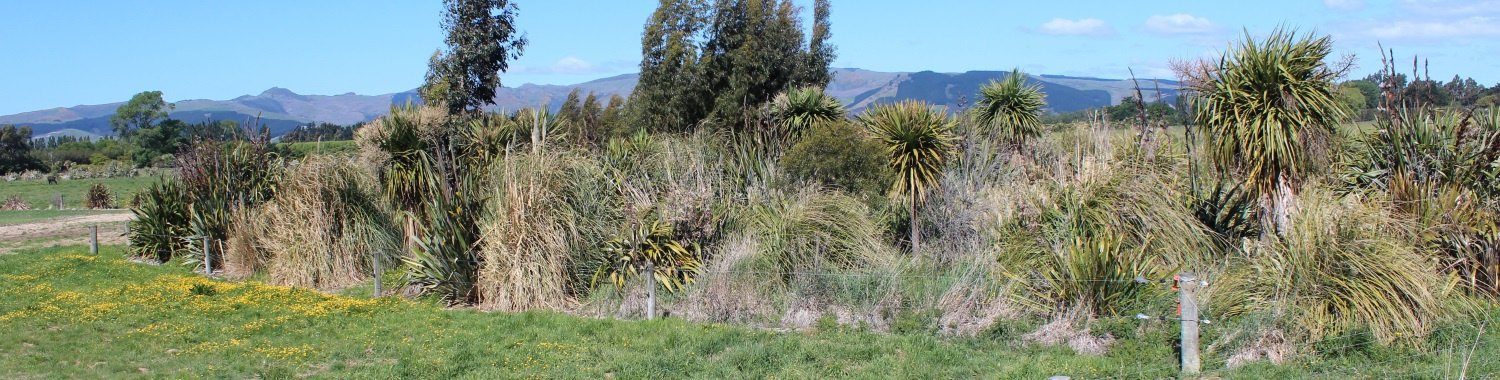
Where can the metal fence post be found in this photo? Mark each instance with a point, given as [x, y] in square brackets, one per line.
[1189, 293]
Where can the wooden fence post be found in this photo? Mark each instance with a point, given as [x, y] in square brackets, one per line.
[1189, 293]
[376, 259]
[208, 258]
[650, 290]
[94, 239]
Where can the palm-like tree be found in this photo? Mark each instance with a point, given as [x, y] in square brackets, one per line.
[919, 142]
[797, 111]
[1010, 108]
[1268, 109]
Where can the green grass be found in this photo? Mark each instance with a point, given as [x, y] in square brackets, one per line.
[14, 217]
[302, 149]
[39, 194]
[67, 314]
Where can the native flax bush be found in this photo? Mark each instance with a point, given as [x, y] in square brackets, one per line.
[1010, 108]
[1454, 226]
[99, 197]
[444, 260]
[1268, 111]
[398, 146]
[160, 229]
[919, 142]
[1445, 148]
[223, 179]
[1443, 169]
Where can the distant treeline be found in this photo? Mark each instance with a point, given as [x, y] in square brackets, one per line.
[321, 132]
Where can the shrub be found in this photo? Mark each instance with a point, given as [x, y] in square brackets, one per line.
[839, 155]
[811, 231]
[99, 197]
[650, 245]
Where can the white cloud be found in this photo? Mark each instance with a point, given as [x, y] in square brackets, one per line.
[1452, 7]
[565, 66]
[1344, 5]
[1180, 23]
[1082, 27]
[1477, 26]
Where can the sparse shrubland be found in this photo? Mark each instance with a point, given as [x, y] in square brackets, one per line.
[793, 214]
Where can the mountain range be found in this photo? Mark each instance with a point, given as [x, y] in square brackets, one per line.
[282, 110]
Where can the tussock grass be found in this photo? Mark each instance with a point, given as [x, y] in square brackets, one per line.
[524, 240]
[324, 226]
[1346, 264]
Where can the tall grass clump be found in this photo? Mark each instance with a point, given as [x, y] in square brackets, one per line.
[1099, 215]
[794, 247]
[325, 226]
[524, 238]
[1345, 265]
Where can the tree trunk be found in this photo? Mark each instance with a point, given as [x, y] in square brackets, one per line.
[916, 230]
[1277, 206]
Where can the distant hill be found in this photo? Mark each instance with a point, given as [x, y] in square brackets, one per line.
[68, 133]
[282, 110]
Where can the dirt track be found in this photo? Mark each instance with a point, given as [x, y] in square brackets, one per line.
[64, 231]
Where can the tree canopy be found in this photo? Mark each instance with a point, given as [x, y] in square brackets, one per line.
[15, 150]
[482, 40]
[718, 63]
[142, 111]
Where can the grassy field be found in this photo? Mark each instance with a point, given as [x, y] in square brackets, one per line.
[14, 217]
[39, 194]
[302, 149]
[67, 314]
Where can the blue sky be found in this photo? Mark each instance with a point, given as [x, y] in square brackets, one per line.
[65, 53]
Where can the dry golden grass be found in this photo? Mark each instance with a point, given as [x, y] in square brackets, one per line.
[524, 240]
[324, 226]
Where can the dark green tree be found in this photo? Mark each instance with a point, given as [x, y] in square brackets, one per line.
[1368, 89]
[572, 108]
[591, 116]
[611, 120]
[142, 111]
[814, 71]
[669, 95]
[718, 64]
[482, 40]
[154, 142]
[15, 150]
